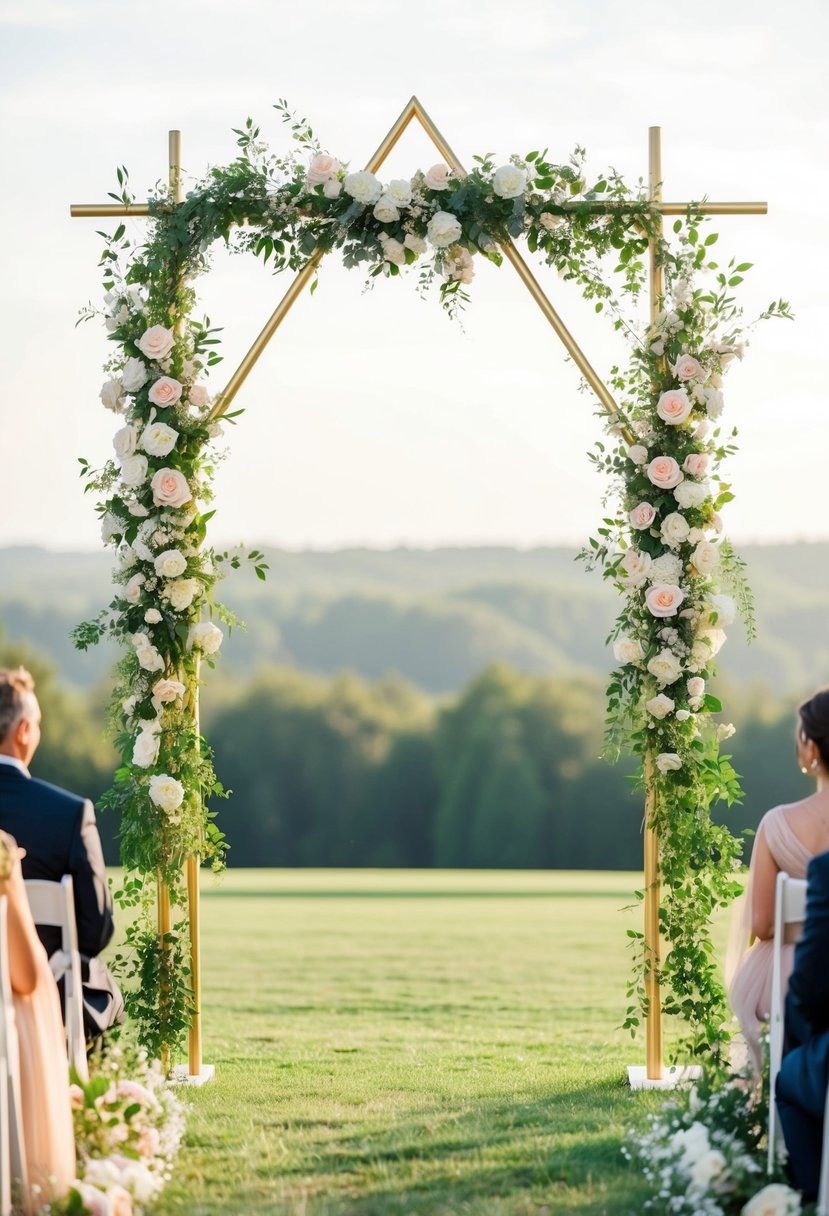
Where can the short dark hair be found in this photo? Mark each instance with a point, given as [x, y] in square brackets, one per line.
[814, 722]
[17, 698]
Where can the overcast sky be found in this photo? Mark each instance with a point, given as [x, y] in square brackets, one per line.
[372, 418]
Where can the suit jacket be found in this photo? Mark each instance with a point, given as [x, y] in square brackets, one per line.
[57, 829]
[807, 1003]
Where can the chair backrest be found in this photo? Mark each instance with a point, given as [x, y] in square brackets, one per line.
[789, 909]
[12, 1151]
[53, 905]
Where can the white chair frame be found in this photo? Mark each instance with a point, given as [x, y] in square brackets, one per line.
[12, 1149]
[789, 909]
[53, 905]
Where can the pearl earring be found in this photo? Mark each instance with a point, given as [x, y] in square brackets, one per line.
[804, 770]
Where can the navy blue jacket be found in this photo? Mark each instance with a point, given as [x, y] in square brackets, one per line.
[57, 829]
[807, 1003]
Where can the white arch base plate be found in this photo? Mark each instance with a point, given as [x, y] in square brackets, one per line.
[671, 1077]
[180, 1075]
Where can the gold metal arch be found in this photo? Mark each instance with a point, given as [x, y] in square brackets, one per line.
[654, 1070]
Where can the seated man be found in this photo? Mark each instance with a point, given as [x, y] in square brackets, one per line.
[57, 830]
[801, 1082]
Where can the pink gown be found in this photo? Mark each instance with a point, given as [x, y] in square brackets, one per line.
[749, 967]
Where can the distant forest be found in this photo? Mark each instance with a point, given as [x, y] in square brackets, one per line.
[421, 708]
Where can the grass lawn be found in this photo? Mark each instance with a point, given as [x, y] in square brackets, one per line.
[433, 1042]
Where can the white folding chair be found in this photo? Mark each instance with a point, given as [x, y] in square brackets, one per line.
[789, 909]
[53, 905]
[823, 1190]
[12, 1152]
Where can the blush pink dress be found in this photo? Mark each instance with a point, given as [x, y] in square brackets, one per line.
[749, 966]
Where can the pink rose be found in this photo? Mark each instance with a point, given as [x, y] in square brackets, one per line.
[674, 406]
[134, 1091]
[437, 178]
[688, 368]
[95, 1202]
[166, 391]
[663, 599]
[170, 488]
[696, 463]
[167, 691]
[321, 169]
[696, 686]
[156, 342]
[148, 1142]
[198, 396]
[120, 1201]
[664, 472]
[76, 1097]
[642, 516]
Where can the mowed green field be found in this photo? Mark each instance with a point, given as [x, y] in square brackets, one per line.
[413, 1042]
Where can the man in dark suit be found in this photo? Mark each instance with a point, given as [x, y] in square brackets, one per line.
[57, 829]
[801, 1082]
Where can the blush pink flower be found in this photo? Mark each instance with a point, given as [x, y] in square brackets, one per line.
[166, 391]
[663, 599]
[688, 368]
[642, 516]
[664, 472]
[674, 406]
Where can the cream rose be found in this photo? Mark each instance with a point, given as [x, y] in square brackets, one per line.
[170, 564]
[322, 168]
[156, 342]
[692, 493]
[664, 472]
[198, 396]
[181, 592]
[149, 658]
[628, 650]
[443, 229]
[665, 667]
[724, 608]
[667, 568]
[668, 762]
[509, 181]
[153, 617]
[674, 529]
[385, 210]
[165, 391]
[638, 453]
[725, 730]
[134, 375]
[548, 220]
[333, 188]
[167, 691]
[663, 599]
[134, 471]
[158, 439]
[634, 567]
[399, 191]
[642, 516]
[111, 395]
[696, 687]
[659, 706]
[696, 463]
[120, 1200]
[415, 243]
[714, 402]
[394, 252]
[204, 636]
[674, 406]
[363, 187]
[776, 1199]
[146, 747]
[170, 488]
[132, 590]
[437, 178]
[125, 441]
[706, 557]
[166, 792]
[688, 368]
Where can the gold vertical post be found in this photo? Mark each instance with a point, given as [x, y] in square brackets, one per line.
[194, 1041]
[653, 1023]
[164, 913]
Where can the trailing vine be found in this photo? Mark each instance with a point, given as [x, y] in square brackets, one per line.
[153, 495]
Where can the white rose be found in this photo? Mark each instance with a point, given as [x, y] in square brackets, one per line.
[166, 792]
[204, 636]
[724, 607]
[136, 509]
[149, 658]
[437, 178]
[665, 667]
[111, 395]
[725, 730]
[663, 600]
[714, 639]
[776, 1199]
[692, 493]
[667, 568]
[385, 210]
[170, 564]
[637, 453]
[509, 181]
[134, 471]
[669, 762]
[674, 529]
[125, 441]
[682, 715]
[322, 168]
[156, 342]
[706, 557]
[181, 592]
[399, 191]
[158, 439]
[170, 488]
[134, 375]
[167, 691]
[332, 188]
[444, 229]
[659, 706]
[111, 527]
[628, 650]
[415, 243]
[634, 568]
[394, 252]
[132, 590]
[363, 187]
[152, 616]
[146, 746]
[696, 687]
[688, 368]
[664, 472]
[129, 705]
[714, 402]
[674, 406]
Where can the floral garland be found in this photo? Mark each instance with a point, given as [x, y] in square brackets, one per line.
[285, 210]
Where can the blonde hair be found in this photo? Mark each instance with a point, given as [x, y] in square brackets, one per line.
[17, 698]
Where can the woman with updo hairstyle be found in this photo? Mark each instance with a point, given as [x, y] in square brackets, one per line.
[787, 839]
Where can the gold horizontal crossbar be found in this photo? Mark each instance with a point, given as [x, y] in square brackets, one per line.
[84, 211]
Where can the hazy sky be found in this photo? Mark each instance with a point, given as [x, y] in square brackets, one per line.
[373, 418]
